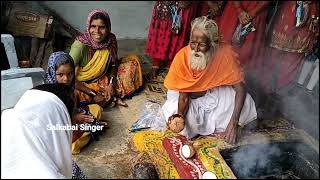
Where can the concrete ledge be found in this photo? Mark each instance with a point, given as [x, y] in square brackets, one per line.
[21, 72]
[15, 81]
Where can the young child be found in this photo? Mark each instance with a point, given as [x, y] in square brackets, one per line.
[61, 70]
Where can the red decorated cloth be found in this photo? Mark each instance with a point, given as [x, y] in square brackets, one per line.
[162, 42]
[187, 168]
[286, 36]
[204, 8]
[282, 60]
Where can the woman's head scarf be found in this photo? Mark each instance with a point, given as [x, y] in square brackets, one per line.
[110, 41]
[56, 59]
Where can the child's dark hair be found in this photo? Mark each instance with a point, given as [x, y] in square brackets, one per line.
[64, 92]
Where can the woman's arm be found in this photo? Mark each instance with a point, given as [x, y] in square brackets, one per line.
[114, 53]
[83, 88]
[96, 96]
[238, 6]
[114, 67]
[239, 101]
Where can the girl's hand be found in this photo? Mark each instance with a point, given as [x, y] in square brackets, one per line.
[82, 118]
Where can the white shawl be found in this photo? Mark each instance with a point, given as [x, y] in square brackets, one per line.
[29, 149]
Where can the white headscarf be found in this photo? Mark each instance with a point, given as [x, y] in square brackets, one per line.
[29, 149]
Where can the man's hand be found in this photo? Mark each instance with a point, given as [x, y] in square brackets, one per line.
[81, 117]
[231, 131]
[244, 18]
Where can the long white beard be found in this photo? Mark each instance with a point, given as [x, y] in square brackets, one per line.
[199, 63]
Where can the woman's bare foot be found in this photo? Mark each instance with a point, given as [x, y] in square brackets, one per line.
[120, 102]
[104, 124]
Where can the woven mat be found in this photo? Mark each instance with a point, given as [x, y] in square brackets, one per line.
[155, 89]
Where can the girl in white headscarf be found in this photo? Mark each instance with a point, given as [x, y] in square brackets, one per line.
[31, 147]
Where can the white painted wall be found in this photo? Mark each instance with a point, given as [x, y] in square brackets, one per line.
[129, 19]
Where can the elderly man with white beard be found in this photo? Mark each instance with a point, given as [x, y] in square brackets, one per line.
[206, 89]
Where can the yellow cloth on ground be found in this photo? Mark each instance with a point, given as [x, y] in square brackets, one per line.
[80, 143]
[95, 110]
[150, 142]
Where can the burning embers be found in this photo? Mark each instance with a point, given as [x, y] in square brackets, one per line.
[282, 160]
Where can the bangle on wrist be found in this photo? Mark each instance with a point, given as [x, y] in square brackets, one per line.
[92, 93]
[111, 80]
